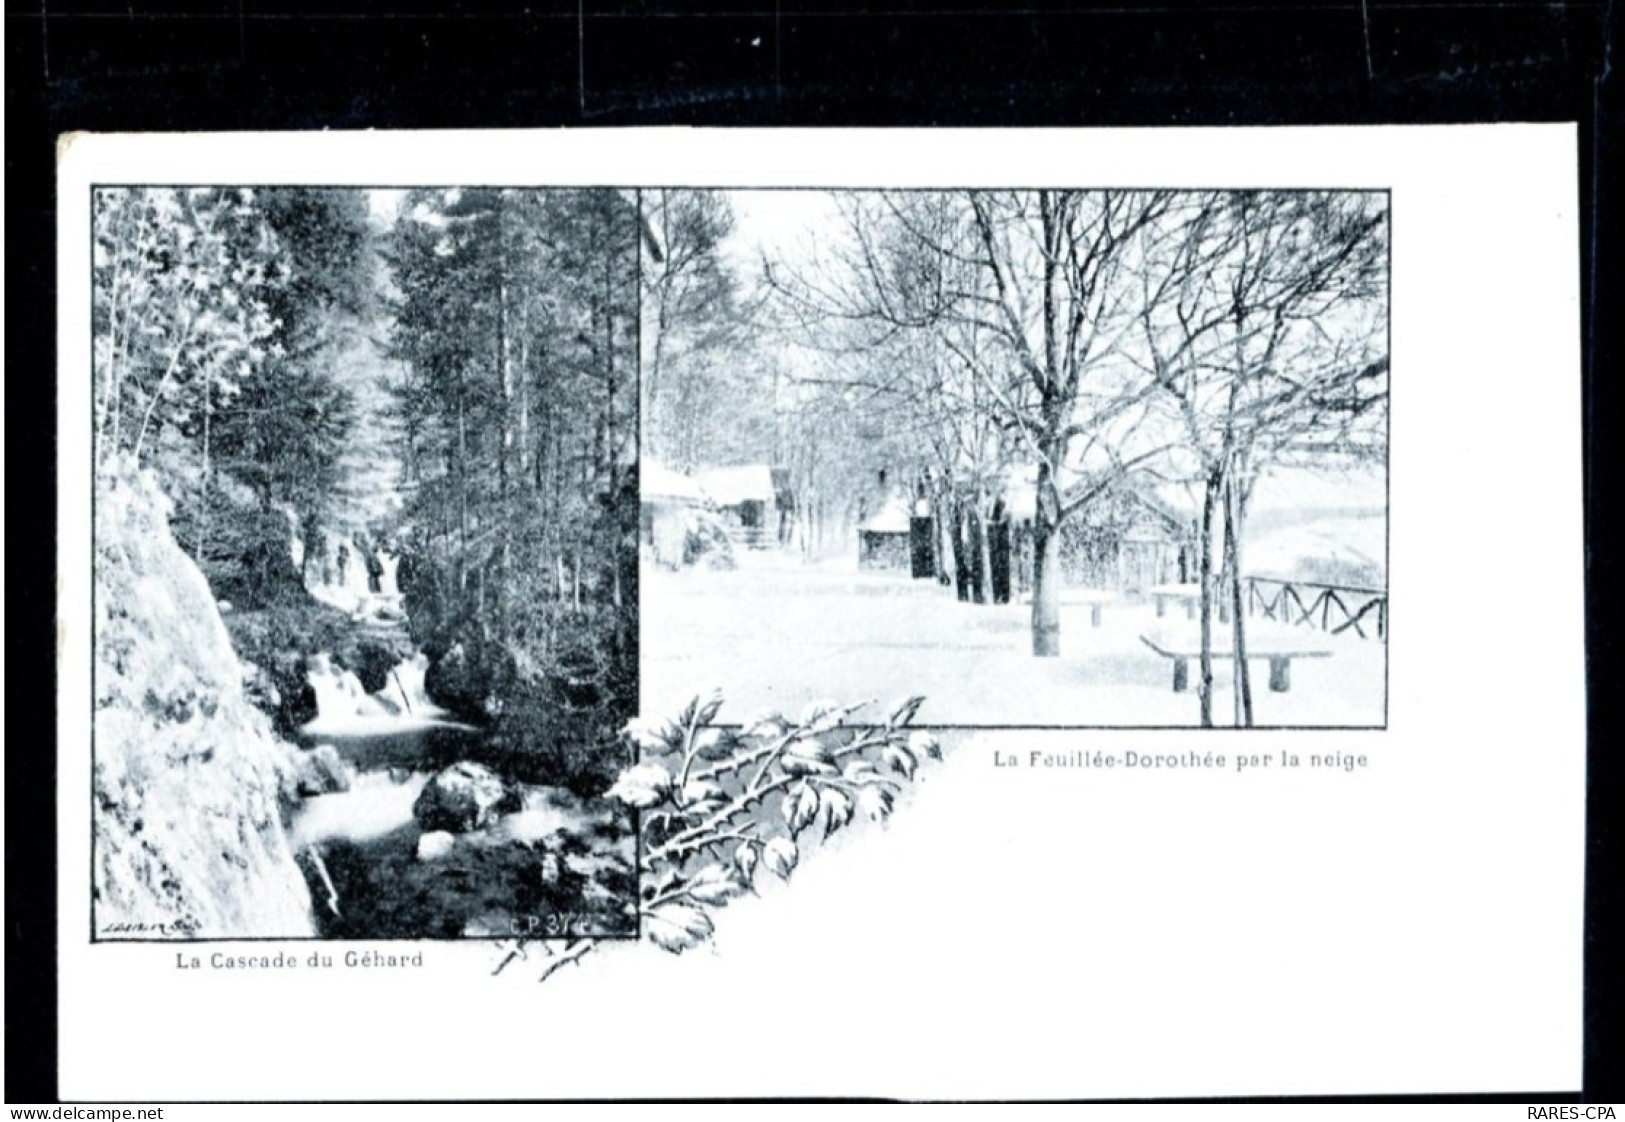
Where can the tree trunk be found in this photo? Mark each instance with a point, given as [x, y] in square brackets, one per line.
[523, 388]
[543, 440]
[984, 558]
[961, 552]
[940, 549]
[506, 456]
[118, 415]
[652, 381]
[1204, 684]
[462, 494]
[611, 455]
[505, 382]
[1046, 586]
[111, 375]
[1232, 546]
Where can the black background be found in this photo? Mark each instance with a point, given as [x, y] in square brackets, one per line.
[134, 65]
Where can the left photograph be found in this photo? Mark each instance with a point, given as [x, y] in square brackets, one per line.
[365, 561]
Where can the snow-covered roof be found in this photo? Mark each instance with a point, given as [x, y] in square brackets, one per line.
[658, 482]
[891, 518]
[730, 486]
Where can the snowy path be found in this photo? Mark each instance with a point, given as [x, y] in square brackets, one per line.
[778, 634]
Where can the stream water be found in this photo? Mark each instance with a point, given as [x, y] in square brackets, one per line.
[556, 863]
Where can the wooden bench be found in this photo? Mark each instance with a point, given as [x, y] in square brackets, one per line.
[1280, 658]
[1095, 599]
[1188, 594]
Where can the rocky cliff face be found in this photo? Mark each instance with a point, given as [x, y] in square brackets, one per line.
[189, 779]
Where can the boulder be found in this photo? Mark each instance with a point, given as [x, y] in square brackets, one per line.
[387, 611]
[322, 771]
[435, 844]
[465, 796]
[470, 678]
[371, 662]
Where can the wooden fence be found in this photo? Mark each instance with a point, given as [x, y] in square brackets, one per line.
[1331, 608]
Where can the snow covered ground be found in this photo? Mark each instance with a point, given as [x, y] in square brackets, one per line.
[777, 634]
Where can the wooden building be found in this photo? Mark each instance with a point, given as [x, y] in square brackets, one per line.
[1126, 542]
[746, 498]
[884, 535]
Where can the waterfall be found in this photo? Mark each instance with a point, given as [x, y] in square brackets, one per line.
[388, 586]
[296, 544]
[352, 570]
[339, 573]
[343, 706]
[405, 688]
[339, 693]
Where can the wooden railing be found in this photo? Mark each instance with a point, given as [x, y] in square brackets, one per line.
[1330, 607]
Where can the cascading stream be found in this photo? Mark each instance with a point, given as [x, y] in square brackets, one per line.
[345, 708]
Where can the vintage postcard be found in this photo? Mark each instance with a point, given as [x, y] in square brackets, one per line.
[1036, 453]
[938, 614]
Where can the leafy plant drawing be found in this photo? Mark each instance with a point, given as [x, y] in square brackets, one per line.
[720, 807]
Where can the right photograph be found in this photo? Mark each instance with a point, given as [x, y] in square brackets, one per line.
[1071, 458]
